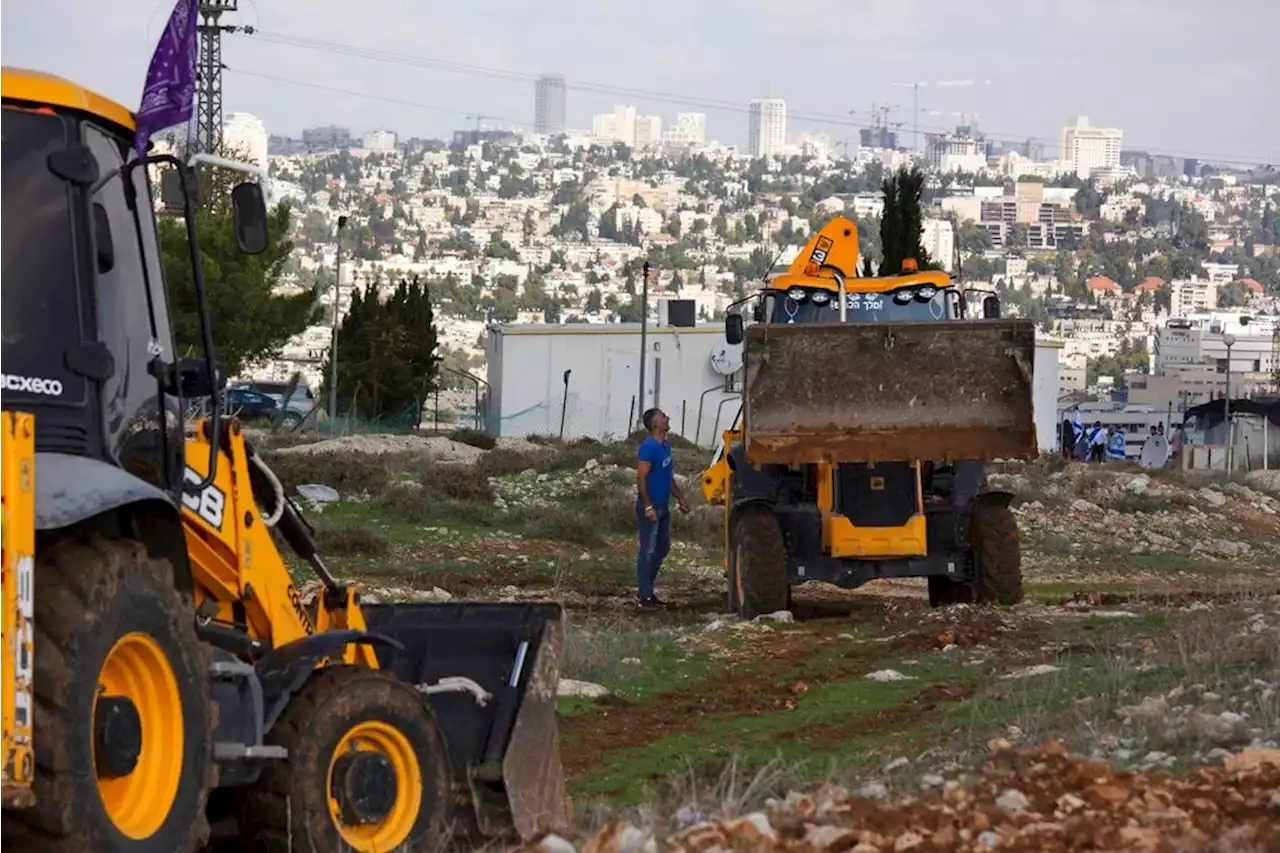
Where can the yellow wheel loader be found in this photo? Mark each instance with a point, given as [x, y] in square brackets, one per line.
[163, 673]
[870, 409]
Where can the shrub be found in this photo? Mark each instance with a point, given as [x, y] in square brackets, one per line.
[474, 437]
[504, 461]
[351, 541]
[563, 524]
[417, 504]
[350, 473]
[456, 482]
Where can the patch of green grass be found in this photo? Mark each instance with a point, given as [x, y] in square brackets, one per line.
[831, 724]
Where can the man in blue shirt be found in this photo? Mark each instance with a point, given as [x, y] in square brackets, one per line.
[655, 484]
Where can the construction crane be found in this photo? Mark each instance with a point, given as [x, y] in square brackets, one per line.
[915, 102]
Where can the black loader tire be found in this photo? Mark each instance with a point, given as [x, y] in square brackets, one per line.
[757, 563]
[997, 555]
[311, 728]
[90, 592]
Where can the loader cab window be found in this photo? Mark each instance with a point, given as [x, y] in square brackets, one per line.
[817, 305]
[42, 315]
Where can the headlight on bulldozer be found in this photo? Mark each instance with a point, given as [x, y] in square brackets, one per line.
[798, 294]
[820, 297]
[905, 295]
[926, 292]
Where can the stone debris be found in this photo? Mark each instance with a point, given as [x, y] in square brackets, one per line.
[435, 447]
[585, 689]
[1087, 507]
[1040, 799]
[889, 675]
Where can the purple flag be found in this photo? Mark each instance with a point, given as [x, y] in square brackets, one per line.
[168, 97]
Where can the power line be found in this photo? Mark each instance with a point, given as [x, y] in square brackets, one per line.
[368, 96]
[337, 48]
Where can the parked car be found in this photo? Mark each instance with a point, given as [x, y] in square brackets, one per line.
[249, 405]
[299, 407]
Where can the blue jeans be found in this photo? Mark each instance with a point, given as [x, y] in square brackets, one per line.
[655, 542]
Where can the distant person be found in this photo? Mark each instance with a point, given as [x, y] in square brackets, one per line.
[1097, 443]
[655, 484]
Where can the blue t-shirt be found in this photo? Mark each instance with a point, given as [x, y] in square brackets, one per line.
[658, 480]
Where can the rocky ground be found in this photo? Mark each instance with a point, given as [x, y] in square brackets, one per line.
[1129, 703]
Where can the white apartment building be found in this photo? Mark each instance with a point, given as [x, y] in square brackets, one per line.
[246, 133]
[1220, 274]
[869, 204]
[689, 129]
[648, 131]
[939, 239]
[379, 140]
[1088, 148]
[623, 125]
[767, 127]
[1187, 296]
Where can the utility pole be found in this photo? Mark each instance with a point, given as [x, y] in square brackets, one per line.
[209, 74]
[333, 341]
[644, 337]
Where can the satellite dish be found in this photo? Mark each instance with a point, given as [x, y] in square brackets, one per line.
[726, 358]
[1155, 452]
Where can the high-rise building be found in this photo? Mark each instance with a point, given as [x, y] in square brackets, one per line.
[380, 140]
[648, 131]
[246, 133]
[549, 104]
[1087, 148]
[767, 130]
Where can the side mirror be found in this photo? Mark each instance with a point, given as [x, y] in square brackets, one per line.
[194, 380]
[991, 308]
[171, 189]
[249, 211]
[734, 329]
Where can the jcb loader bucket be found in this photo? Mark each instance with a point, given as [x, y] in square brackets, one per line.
[508, 779]
[879, 392]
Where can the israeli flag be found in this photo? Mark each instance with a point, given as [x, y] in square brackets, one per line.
[1116, 449]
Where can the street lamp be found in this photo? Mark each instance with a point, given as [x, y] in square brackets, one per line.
[1230, 341]
[333, 341]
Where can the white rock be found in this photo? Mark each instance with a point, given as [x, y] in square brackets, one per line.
[989, 838]
[556, 844]
[784, 617]
[573, 687]
[1012, 800]
[1025, 672]
[897, 764]
[875, 790]
[931, 780]
[907, 841]
[319, 493]
[889, 675]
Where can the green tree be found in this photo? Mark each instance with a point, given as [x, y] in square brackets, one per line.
[901, 224]
[387, 359]
[249, 322]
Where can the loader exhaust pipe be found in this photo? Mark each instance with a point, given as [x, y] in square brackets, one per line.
[844, 309]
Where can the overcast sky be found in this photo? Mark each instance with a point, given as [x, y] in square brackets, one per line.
[1185, 77]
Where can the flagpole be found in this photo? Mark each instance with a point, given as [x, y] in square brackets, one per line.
[644, 339]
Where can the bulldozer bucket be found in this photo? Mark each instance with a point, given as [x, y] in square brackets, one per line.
[505, 752]
[864, 392]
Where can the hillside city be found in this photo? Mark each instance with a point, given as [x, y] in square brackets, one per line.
[1144, 267]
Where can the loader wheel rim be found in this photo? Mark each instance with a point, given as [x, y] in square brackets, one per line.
[137, 680]
[397, 772]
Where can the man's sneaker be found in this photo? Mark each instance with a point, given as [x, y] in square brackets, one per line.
[650, 603]
[658, 601]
